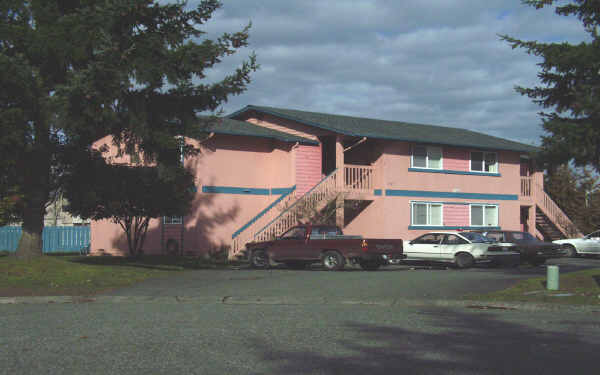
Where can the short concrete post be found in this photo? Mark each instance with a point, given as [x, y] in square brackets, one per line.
[552, 276]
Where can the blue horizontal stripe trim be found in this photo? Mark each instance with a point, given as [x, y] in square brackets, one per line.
[448, 171]
[279, 191]
[432, 227]
[442, 194]
[286, 192]
[234, 190]
[377, 192]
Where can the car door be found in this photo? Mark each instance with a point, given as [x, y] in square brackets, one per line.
[451, 244]
[290, 245]
[425, 247]
[591, 243]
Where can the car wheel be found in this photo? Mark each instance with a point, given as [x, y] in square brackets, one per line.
[333, 261]
[296, 265]
[259, 259]
[464, 260]
[570, 251]
[370, 265]
[537, 261]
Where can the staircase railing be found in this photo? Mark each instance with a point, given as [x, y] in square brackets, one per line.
[554, 213]
[247, 232]
[321, 192]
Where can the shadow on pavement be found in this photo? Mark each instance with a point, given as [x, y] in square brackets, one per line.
[462, 343]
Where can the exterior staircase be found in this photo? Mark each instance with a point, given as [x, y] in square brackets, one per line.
[550, 220]
[546, 227]
[356, 180]
[284, 214]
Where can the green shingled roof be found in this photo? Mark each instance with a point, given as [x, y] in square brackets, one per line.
[395, 130]
[235, 127]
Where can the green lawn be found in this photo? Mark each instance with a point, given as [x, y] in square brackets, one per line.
[580, 288]
[79, 275]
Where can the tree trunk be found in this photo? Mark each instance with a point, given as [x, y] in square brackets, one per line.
[30, 244]
[34, 170]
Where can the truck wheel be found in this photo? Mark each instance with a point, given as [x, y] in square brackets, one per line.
[259, 259]
[570, 251]
[370, 265]
[463, 260]
[333, 261]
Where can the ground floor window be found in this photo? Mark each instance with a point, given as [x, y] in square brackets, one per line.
[427, 213]
[484, 215]
[172, 219]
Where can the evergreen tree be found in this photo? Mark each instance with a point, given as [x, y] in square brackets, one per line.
[570, 88]
[73, 71]
[576, 192]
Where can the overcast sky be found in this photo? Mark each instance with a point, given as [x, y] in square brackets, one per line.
[434, 62]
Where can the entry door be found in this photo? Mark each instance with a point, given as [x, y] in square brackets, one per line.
[425, 247]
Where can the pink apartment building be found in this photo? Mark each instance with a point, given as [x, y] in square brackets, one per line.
[404, 179]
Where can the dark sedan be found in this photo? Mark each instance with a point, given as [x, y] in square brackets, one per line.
[532, 250]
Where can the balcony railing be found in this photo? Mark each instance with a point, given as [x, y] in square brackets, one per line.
[526, 186]
[359, 178]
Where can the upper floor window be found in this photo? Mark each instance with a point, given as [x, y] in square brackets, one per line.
[484, 162]
[426, 213]
[427, 157]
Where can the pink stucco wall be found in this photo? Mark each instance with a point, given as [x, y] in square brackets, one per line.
[224, 161]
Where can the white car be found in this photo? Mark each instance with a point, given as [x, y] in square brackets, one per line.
[587, 245]
[461, 248]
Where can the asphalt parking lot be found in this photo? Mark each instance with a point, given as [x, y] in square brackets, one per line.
[410, 281]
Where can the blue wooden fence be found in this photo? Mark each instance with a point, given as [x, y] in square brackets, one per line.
[55, 239]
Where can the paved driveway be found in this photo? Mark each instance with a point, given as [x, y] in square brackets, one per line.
[409, 282]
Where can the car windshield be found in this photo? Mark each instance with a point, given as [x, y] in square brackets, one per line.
[475, 237]
[523, 237]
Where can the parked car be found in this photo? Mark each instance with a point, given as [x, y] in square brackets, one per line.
[464, 249]
[532, 250]
[586, 245]
[306, 244]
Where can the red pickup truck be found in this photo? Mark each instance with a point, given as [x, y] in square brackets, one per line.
[306, 244]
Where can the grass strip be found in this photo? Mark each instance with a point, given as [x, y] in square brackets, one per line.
[80, 275]
[575, 288]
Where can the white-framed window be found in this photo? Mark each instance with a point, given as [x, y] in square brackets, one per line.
[484, 162]
[429, 157]
[484, 215]
[172, 219]
[426, 213]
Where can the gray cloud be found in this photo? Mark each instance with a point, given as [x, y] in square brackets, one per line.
[438, 61]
